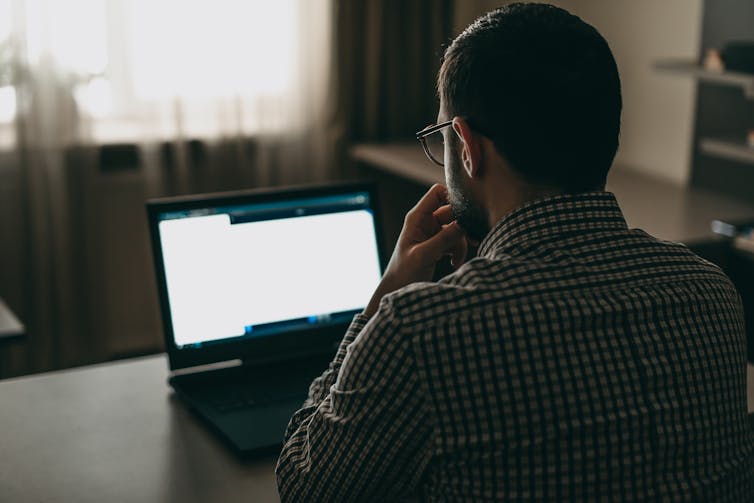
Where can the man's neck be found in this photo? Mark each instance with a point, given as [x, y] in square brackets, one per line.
[510, 196]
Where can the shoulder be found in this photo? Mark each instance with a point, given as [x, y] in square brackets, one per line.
[683, 255]
[476, 283]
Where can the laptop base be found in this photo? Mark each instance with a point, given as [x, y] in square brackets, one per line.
[249, 407]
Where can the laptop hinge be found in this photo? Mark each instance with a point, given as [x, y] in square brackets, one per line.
[207, 367]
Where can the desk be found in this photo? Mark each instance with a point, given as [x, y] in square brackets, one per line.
[114, 432]
[663, 209]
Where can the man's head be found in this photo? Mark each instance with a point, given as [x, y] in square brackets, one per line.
[540, 88]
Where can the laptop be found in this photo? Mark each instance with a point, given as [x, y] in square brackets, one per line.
[256, 290]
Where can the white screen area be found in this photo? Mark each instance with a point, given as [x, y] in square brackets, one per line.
[222, 277]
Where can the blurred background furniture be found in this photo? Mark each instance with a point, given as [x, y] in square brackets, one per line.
[10, 326]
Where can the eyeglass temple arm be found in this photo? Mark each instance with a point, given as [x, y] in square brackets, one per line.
[431, 129]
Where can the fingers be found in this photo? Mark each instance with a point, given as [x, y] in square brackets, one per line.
[432, 224]
[435, 197]
[443, 215]
[430, 227]
[450, 240]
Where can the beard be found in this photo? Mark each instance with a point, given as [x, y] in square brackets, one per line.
[469, 213]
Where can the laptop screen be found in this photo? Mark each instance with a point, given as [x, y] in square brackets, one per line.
[242, 270]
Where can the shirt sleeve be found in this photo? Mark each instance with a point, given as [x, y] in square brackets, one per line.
[321, 385]
[364, 433]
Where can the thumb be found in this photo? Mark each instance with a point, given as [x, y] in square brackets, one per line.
[447, 240]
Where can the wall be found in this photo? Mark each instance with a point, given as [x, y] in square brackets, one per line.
[658, 109]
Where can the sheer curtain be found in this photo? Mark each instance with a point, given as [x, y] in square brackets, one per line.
[199, 95]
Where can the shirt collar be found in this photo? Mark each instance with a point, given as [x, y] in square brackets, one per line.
[561, 214]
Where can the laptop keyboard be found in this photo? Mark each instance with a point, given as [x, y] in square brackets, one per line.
[238, 388]
[240, 399]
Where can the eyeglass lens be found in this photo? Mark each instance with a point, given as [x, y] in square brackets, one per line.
[435, 146]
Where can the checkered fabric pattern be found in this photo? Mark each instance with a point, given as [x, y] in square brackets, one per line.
[573, 359]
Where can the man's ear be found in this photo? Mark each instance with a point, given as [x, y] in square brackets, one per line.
[470, 147]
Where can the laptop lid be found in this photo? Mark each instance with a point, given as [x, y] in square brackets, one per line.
[263, 275]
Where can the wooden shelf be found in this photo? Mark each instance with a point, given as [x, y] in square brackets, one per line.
[405, 159]
[684, 67]
[666, 210]
[728, 147]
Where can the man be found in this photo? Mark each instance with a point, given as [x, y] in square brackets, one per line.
[572, 358]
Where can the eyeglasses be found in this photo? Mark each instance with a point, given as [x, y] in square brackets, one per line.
[433, 144]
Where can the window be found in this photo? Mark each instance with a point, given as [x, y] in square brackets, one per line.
[131, 64]
[7, 91]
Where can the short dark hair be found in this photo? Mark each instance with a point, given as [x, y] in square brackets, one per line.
[543, 86]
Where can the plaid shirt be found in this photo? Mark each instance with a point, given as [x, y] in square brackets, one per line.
[572, 359]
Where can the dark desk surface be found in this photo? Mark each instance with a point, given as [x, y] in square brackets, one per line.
[665, 210]
[113, 432]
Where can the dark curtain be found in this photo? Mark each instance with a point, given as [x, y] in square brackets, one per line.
[386, 57]
[81, 277]
[386, 54]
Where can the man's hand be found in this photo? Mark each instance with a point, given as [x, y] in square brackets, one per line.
[429, 234]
